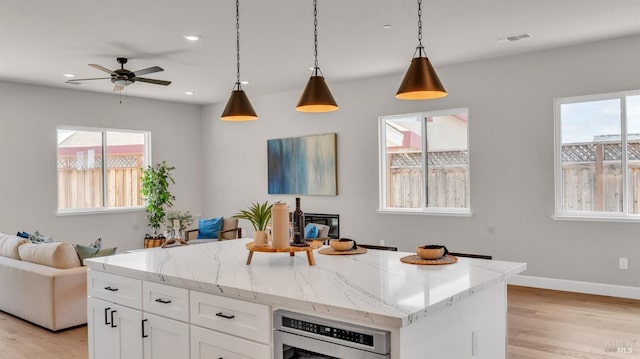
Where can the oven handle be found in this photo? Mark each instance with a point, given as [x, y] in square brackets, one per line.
[283, 340]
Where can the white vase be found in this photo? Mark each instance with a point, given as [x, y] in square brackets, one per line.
[260, 238]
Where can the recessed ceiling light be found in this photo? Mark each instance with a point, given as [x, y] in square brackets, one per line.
[386, 27]
[192, 37]
[69, 75]
[244, 82]
[189, 93]
[513, 38]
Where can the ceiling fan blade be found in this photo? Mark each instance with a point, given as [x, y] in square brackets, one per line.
[152, 81]
[93, 78]
[117, 88]
[101, 68]
[148, 70]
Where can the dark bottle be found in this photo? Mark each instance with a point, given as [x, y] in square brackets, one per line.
[298, 224]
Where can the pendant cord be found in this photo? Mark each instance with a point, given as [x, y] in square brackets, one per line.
[420, 47]
[315, 36]
[238, 44]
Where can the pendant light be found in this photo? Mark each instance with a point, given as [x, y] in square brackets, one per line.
[421, 81]
[238, 107]
[316, 96]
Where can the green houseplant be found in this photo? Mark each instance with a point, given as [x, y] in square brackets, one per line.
[155, 190]
[259, 214]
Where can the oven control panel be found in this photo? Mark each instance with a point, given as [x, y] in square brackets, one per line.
[328, 331]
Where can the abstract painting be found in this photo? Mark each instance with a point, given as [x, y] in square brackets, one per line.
[303, 165]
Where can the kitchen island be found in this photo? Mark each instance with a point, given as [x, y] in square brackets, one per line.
[224, 306]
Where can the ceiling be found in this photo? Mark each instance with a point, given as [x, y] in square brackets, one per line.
[42, 40]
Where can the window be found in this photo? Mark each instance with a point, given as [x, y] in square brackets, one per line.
[598, 156]
[86, 183]
[424, 162]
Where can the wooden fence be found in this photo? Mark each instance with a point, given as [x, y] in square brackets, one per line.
[583, 190]
[447, 187]
[80, 185]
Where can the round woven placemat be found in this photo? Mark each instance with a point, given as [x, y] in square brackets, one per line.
[331, 251]
[415, 259]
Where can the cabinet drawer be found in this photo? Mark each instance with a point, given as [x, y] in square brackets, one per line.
[165, 300]
[115, 288]
[232, 316]
[207, 344]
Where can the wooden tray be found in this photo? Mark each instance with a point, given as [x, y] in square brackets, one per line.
[291, 250]
[415, 259]
[331, 251]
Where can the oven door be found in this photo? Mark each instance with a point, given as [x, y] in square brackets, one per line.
[291, 346]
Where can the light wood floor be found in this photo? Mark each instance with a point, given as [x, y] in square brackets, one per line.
[543, 324]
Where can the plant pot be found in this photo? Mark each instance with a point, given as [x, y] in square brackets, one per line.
[260, 238]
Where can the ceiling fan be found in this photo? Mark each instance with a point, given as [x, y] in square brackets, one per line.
[123, 77]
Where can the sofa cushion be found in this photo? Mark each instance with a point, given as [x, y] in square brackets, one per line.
[9, 245]
[59, 255]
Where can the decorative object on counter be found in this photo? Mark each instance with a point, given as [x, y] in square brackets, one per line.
[174, 242]
[343, 244]
[432, 251]
[316, 96]
[421, 81]
[259, 214]
[154, 188]
[177, 223]
[415, 259]
[353, 250]
[238, 107]
[280, 227]
[298, 226]
[291, 250]
[303, 165]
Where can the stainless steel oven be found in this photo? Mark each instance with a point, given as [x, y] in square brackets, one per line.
[298, 335]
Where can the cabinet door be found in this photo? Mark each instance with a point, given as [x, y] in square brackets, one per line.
[115, 332]
[209, 344]
[165, 338]
[128, 328]
[102, 337]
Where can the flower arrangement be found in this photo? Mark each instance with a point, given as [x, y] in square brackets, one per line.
[183, 219]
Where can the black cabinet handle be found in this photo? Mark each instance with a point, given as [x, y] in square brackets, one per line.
[113, 323]
[225, 316]
[106, 319]
[159, 300]
[111, 289]
[143, 333]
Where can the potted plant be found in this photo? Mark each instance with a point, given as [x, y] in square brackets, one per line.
[259, 214]
[178, 222]
[155, 191]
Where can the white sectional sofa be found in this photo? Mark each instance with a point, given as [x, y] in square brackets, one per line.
[42, 283]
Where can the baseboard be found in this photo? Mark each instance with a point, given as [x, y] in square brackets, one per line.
[610, 290]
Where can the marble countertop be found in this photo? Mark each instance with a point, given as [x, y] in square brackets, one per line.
[373, 287]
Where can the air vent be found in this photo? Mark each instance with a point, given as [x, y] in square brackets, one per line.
[514, 38]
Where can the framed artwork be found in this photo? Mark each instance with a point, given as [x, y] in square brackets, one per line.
[303, 165]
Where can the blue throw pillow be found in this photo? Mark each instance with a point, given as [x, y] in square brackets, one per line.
[310, 231]
[209, 228]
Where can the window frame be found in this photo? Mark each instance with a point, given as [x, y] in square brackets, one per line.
[104, 209]
[382, 162]
[597, 216]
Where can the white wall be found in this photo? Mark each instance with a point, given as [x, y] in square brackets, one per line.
[510, 103]
[28, 119]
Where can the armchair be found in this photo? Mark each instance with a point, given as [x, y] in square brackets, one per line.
[230, 230]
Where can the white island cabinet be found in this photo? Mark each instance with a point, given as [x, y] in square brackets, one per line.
[203, 301]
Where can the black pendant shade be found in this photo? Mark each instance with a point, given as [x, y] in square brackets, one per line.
[421, 82]
[316, 97]
[238, 108]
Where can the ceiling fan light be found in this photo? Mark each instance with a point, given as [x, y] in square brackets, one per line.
[238, 108]
[421, 82]
[316, 97]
